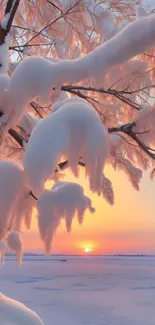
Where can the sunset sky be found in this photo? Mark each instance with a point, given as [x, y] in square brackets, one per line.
[126, 227]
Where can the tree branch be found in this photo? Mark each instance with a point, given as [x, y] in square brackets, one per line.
[120, 94]
[10, 9]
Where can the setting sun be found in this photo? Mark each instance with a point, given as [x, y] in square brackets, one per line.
[87, 250]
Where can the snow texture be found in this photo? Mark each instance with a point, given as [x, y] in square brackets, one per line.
[64, 200]
[74, 131]
[13, 312]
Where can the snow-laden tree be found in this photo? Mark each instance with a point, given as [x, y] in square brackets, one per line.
[76, 91]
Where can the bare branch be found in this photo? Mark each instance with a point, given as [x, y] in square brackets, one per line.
[120, 94]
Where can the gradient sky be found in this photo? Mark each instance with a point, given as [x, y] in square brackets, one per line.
[126, 227]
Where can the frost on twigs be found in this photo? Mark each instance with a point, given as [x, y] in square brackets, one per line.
[145, 121]
[63, 200]
[73, 131]
[134, 174]
[107, 190]
[14, 243]
[15, 313]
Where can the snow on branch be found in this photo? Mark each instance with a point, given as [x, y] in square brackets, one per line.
[73, 131]
[64, 200]
[12, 181]
[36, 76]
[5, 26]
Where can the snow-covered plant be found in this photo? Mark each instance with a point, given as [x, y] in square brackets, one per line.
[76, 89]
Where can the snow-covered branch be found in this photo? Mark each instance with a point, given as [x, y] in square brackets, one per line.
[6, 23]
[5, 26]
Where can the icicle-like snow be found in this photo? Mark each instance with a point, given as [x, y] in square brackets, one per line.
[74, 131]
[11, 182]
[14, 243]
[4, 249]
[13, 312]
[23, 208]
[64, 200]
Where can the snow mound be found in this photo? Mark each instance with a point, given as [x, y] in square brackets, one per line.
[13, 312]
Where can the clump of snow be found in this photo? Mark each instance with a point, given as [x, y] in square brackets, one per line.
[33, 77]
[14, 243]
[63, 200]
[4, 249]
[11, 181]
[13, 312]
[73, 131]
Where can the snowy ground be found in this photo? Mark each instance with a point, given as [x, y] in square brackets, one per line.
[86, 290]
